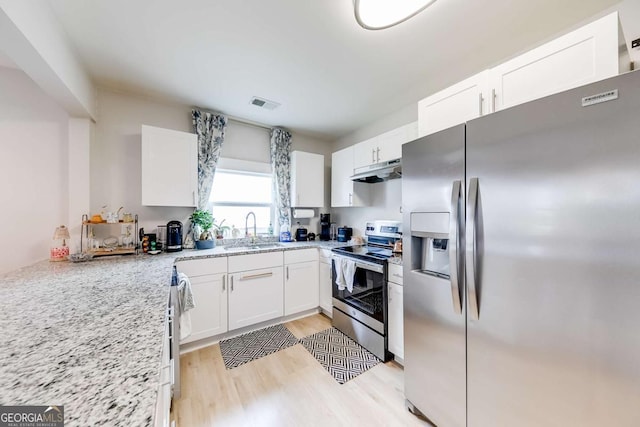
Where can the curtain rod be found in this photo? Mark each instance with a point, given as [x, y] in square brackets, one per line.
[250, 123]
[239, 120]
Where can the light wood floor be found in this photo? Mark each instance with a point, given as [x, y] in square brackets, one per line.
[287, 388]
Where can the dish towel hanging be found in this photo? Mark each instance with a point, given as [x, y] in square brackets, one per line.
[348, 270]
[185, 299]
[345, 270]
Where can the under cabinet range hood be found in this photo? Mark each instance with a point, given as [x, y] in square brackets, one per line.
[379, 172]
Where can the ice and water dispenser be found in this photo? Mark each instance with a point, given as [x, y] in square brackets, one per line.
[430, 243]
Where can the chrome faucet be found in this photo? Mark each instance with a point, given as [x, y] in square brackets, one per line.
[246, 227]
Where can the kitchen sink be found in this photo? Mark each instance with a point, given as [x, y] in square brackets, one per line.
[253, 247]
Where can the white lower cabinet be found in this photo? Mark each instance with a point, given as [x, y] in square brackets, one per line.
[396, 311]
[301, 281]
[209, 317]
[208, 279]
[326, 297]
[255, 296]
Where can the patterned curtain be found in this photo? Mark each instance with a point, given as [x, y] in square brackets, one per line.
[281, 167]
[210, 129]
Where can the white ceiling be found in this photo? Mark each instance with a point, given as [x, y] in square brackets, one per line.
[330, 75]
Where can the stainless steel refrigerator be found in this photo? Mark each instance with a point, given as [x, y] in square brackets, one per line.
[522, 264]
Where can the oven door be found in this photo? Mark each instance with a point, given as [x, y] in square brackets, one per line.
[368, 295]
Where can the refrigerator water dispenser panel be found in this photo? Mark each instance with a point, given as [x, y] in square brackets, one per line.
[430, 243]
[435, 257]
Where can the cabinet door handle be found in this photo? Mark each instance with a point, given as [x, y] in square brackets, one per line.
[480, 99]
[350, 197]
[373, 155]
[287, 272]
[378, 154]
[493, 100]
[252, 276]
[224, 280]
[231, 283]
[297, 199]
[193, 196]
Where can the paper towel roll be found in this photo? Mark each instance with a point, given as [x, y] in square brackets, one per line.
[303, 213]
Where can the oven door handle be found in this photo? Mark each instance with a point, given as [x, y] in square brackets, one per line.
[378, 268]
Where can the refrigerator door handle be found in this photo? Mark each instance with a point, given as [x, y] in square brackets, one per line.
[470, 264]
[454, 250]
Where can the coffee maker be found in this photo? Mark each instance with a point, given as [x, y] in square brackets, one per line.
[174, 236]
[325, 227]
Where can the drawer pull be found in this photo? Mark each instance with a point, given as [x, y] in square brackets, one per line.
[256, 276]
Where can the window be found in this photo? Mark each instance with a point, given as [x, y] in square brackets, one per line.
[236, 193]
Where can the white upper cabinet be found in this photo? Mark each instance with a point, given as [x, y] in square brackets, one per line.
[384, 147]
[456, 104]
[364, 153]
[585, 55]
[307, 180]
[345, 192]
[588, 54]
[169, 167]
[390, 143]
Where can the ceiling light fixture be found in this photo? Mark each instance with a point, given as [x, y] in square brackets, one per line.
[381, 14]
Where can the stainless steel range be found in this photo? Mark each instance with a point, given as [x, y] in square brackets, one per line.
[359, 277]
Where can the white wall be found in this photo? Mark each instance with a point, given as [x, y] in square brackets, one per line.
[115, 152]
[33, 170]
[386, 198]
[79, 158]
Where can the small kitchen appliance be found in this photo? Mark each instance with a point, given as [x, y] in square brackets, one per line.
[325, 227]
[174, 236]
[344, 234]
[301, 234]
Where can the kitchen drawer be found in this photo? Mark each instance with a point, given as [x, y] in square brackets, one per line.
[325, 256]
[300, 255]
[395, 273]
[202, 267]
[255, 261]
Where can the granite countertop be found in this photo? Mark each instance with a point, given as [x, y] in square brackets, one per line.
[396, 258]
[89, 335]
[240, 249]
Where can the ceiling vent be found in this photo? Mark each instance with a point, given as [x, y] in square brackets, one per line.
[264, 103]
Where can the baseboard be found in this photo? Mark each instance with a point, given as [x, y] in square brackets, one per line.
[206, 342]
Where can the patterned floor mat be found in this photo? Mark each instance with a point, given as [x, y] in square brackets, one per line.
[340, 355]
[254, 345]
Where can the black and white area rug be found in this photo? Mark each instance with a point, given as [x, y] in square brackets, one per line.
[340, 355]
[254, 345]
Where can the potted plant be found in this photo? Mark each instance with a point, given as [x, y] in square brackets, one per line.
[220, 229]
[202, 222]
